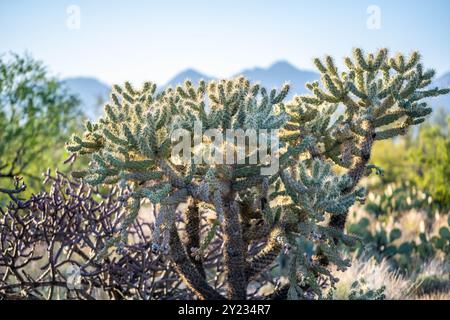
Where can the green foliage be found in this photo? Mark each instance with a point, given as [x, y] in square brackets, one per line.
[36, 116]
[422, 161]
[430, 162]
[392, 157]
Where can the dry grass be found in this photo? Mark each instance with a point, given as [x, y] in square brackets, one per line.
[375, 275]
[397, 286]
[434, 296]
[430, 282]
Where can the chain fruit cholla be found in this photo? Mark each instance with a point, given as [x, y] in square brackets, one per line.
[323, 155]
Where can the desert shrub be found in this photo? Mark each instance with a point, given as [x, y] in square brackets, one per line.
[421, 160]
[430, 162]
[50, 244]
[380, 280]
[392, 157]
[37, 115]
[369, 279]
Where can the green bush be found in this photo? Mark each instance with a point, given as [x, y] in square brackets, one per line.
[422, 160]
[36, 116]
[429, 160]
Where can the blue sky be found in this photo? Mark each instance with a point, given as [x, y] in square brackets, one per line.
[153, 40]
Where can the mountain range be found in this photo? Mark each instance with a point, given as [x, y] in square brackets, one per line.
[93, 93]
[442, 102]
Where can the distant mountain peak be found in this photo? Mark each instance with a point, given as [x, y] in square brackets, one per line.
[191, 71]
[91, 92]
[441, 102]
[282, 65]
[190, 74]
[443, 81]
[280, 72]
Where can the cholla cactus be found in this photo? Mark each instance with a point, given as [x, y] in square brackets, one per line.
[382, 97]
[300, 209]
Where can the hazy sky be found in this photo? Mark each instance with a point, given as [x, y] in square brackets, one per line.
[153, 40]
